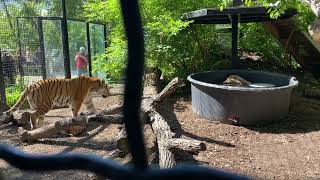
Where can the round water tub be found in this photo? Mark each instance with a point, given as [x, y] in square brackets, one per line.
[241, 105]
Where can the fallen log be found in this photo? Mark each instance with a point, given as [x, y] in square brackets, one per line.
[74, 125]
[122, 141]
[20, 118]
[54, 128]
[102, 118]
[167, 144]
[115, 109]
[164, 136]
[188, 145]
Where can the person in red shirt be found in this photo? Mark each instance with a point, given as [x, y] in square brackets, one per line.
[81, 61]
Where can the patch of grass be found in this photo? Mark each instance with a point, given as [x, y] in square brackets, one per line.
[13, 92]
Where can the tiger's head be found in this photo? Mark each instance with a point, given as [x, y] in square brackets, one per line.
[103, 89]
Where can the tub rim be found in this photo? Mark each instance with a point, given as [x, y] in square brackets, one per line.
[293, 82]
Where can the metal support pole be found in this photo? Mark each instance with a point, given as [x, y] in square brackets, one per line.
[65, 40]
[3, 103]
[42, 50]
[89, 48]
[234, 53]
[105, 36]
[20, 48]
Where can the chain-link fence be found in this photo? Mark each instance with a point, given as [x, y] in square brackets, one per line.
[34, 44]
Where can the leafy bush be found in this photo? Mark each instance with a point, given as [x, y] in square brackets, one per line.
[179, 48]
[170, 43]
[13, 93]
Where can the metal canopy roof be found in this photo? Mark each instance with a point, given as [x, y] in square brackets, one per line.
[245, 15]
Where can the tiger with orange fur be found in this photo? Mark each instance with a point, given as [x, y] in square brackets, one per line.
[45, 94]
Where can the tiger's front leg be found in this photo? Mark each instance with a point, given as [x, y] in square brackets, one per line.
[37, 118]
[90, 106]
[75, 106]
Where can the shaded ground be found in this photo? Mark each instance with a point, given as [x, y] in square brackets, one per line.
[288, 149]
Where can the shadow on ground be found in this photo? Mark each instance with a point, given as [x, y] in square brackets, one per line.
[174, 124]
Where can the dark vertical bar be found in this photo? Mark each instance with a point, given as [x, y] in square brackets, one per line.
[42, 50]
[20, 48]
[105, 36]
[65, 40]
[133, 85]
[89, 48]
[234, 53]
[3, 103]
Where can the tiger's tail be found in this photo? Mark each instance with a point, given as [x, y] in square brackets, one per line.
[20, 102]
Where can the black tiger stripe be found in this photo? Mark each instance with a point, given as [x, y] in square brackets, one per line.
[65, 87]
[57, 89]
[32, 92]
[41, 108]
[54, 90]
[69, 87]
[50, 85]
[35, 94]
[80, 82]
[41, 91]
[58, 86]
[47, 86]
[46, 106]
[61, 91]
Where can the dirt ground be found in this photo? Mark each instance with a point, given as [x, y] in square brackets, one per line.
[288, 149]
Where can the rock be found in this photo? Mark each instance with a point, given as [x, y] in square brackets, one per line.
[235, 80]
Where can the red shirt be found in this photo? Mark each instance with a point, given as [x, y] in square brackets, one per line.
[81, 62]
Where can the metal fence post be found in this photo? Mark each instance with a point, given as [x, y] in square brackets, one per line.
[89, 48]
[65, 40]
[42, 50]
[3, 103]
[105, 36]
[234, 51]
[20, 48]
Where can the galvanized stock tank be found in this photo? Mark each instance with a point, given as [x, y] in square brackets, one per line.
[268, 99]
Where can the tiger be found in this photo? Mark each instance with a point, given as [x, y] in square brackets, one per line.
[45, 94]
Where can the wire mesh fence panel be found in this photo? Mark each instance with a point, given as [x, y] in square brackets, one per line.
[31, 43]
[53, 49]
[11, 76]
[22, 44]
[75, 9]
[78, 46]
[30, 50]
[97, 44]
